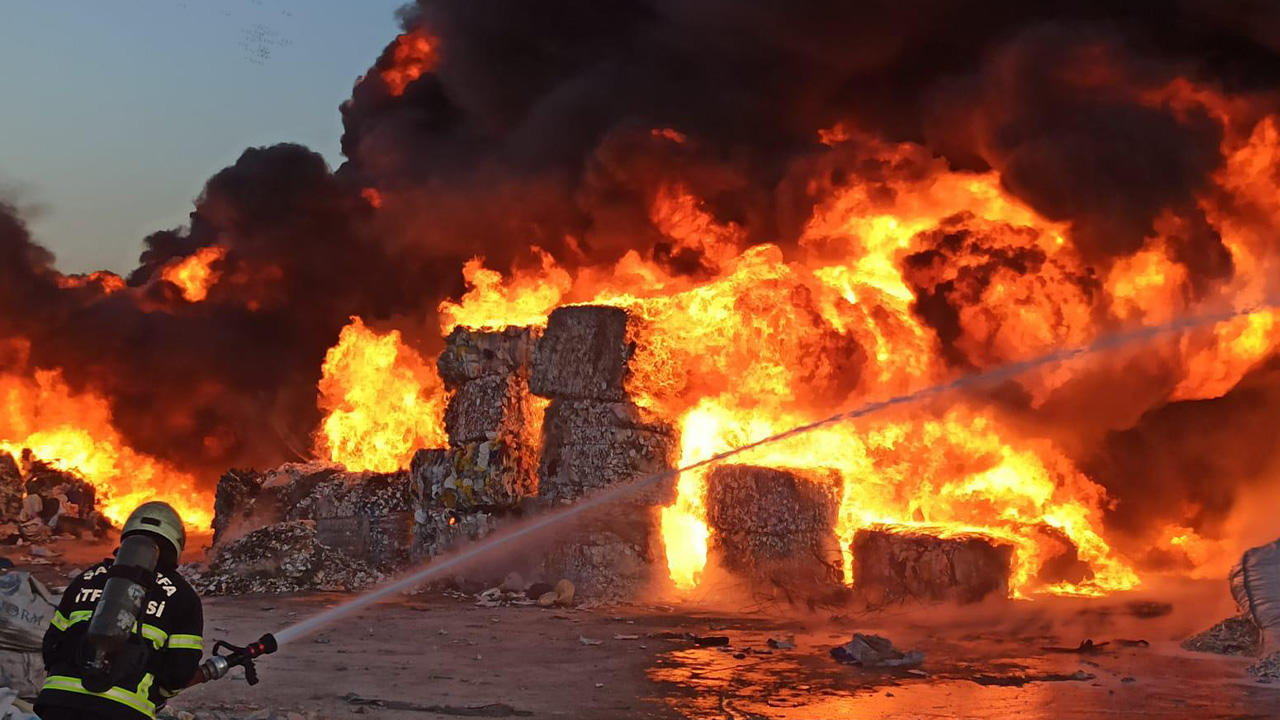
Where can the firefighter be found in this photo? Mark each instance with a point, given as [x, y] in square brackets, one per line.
[155, 659]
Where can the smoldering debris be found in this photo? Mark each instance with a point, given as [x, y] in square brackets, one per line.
[366, 515]
[39, 501]
[873, 651]
[776, 528]
[893, 566]
[280, 558]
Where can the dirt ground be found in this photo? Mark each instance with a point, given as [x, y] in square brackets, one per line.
[439, 655]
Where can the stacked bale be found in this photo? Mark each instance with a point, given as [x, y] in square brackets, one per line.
[777, 528]
[365, 515]
[896, 565]
[490, 466]
[594, 437]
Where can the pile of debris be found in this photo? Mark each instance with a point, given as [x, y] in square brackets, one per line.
[279, 558]
[365, 515]
[38, 501]
[594, 436]
[490, 467]
[1234, 636]
[776, 528]
[894, 565]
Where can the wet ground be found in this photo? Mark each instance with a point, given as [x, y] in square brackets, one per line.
[436, 655]
[636, 662]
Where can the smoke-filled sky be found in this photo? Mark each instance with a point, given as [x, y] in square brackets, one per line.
[115, 113]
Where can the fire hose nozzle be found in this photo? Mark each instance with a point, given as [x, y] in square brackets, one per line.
[217, 667]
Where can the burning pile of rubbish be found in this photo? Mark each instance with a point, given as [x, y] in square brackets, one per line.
[39, 501]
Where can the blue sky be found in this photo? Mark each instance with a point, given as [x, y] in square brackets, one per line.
[113, 113]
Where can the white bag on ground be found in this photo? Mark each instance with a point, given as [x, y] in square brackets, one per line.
[1255, 584]
[26, 607]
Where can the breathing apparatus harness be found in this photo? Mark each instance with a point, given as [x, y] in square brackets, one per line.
[114, 646]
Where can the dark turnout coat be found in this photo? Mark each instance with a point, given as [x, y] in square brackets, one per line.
[169, 636]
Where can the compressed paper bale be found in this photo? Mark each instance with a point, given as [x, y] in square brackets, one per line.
[601, 564]
[768, 501]
[492, 475]
[436, 532]
[471, 354]
[234, 502]
[584, 354]
[589, 445]
[893, 566]
[489, 408]
[363, 494]
[777, 527]
[11, 490]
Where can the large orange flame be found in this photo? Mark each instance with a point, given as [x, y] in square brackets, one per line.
[383, 402]
[194, 275]
[74, 432]
[761, 339]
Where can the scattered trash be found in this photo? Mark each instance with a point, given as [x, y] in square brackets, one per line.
[626, 637]
[1122, 642]
[711, 640]
[1020, 680]
[490, 710]
[537, 590]
[44, 552]
[588, 641]
[875, 651]
[787, 642]
[1128, 680]
[561, 595]
[1084, 648]
[513, 582]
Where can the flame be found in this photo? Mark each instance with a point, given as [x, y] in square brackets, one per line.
[750, 340]
[372, 196]
[492, 302]
[194, 275]
[74, 432]
[414, 55]
[104, 281]
[383, 402]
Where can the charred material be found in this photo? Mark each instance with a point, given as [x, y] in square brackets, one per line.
[11, 487]
[38, 500]
[584, 354]
[280, 558]
[892, 566]
[777, 527]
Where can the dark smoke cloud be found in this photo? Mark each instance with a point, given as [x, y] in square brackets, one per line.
[534, 129]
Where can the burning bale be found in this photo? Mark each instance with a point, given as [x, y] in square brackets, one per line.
[366, 515]
[776, 526]
[584, 354]
[474, 354]
[589, 445]
[490, 464]
[280, 558]
[892, 566]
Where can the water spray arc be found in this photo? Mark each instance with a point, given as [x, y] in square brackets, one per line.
[534, 527]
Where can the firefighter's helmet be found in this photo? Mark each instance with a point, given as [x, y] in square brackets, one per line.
[161, 520]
